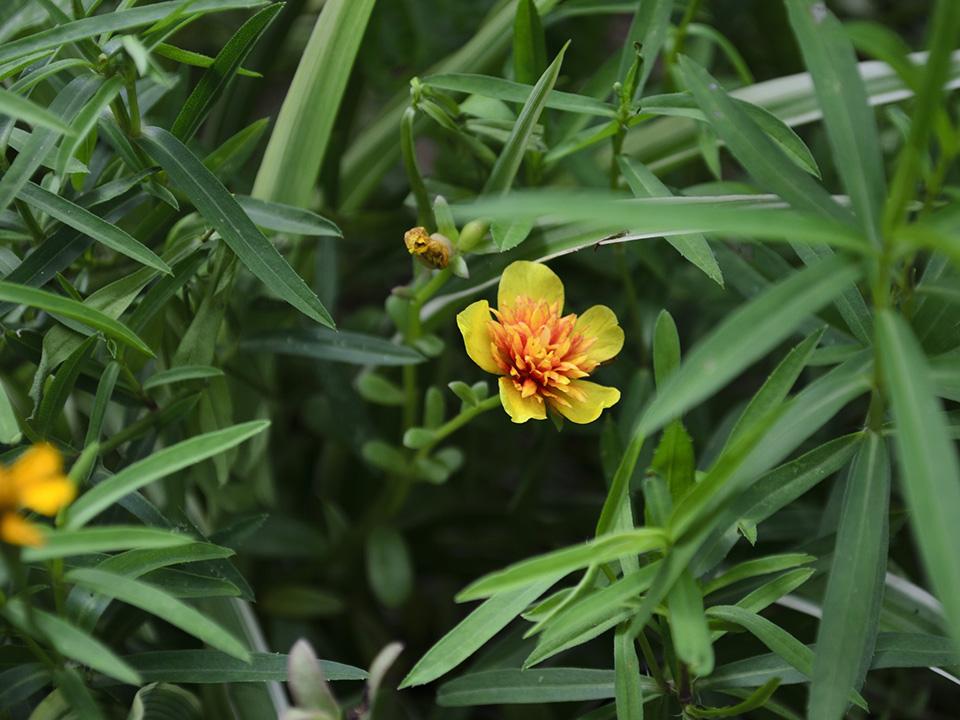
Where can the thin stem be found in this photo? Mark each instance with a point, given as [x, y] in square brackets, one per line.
[451, 426]
[651, 659]
[135, 127]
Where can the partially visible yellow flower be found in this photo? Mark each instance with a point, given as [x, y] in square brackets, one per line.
[35, 481]
[541, 355]
[434, 250]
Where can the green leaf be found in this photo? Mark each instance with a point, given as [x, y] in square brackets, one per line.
[89, 224]
[756, 700]
[217, 77]
[18, 683]
[164, 702]
[286, 218]
[657, 217]
[85, 121]
[538, 687]
[561, 562]
[851, 127]
[389, 568]
[92, 26]
[79, 698]
[649, 28]
[73, 310]
[929, 472]
[592, 615]
[744, 336]
[162, 463]
[508, 162]
[693, 247]
[298, 143]
[666, 347]
[9, 427]
[851, 604]
[17, 107]
[753, 568]
[33, 152]
[221, 210]
[683, 105]
[161, 604]
[179, 374]
[688, 625]
[56, 395]
[750, 145]
[68, 543]
[209, 666]
[336, 346]
[529, 43]
[509, 91]
[68, 640]
[776, 387]
[773, 636]
[473, 632]
[628, 686]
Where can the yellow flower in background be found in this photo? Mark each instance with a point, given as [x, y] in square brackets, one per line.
[541, 355]
[35, 481]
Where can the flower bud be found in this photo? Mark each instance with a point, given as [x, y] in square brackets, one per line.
[434, 250]
[472, 234]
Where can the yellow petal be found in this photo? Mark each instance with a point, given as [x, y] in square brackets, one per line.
[599, 324]
[587, 400]
[519, 408]
[17, 531]
[474, 323]
[49, 496]
[534, 280]
[39, 463]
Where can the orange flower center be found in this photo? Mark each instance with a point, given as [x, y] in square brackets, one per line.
[540, 350]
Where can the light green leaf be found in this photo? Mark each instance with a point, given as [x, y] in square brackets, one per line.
[221, 210]
[179, 374]
[510, 91]
[298, 143]
[929, 472]
[744, 336]
[561, 562]
[286, 218]
[753, 568]
[851, 127]
[209, 666]
[688, 625]
[628, 687]
[693, 247]
[17, 107]
[508, 162]
[851, 604]
[85, 121]
[68, 543]
[473, 632]
[162, 463]
[157, 602]
[95, 25]
[70, 308]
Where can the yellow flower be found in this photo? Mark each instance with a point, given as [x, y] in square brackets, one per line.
[34, 481]
[542, 356]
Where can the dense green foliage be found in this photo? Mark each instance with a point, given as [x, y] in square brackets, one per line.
[280, 450]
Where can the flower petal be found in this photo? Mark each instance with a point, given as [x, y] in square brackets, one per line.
[519, 408]
[49, 496]
[474, 325]
[17, 531]
[37, 464]
[586, 401]
[599, 324]
[530, 279]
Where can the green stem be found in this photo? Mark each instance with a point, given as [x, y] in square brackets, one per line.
[135, 127]
[651, 659]
[451, 426]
